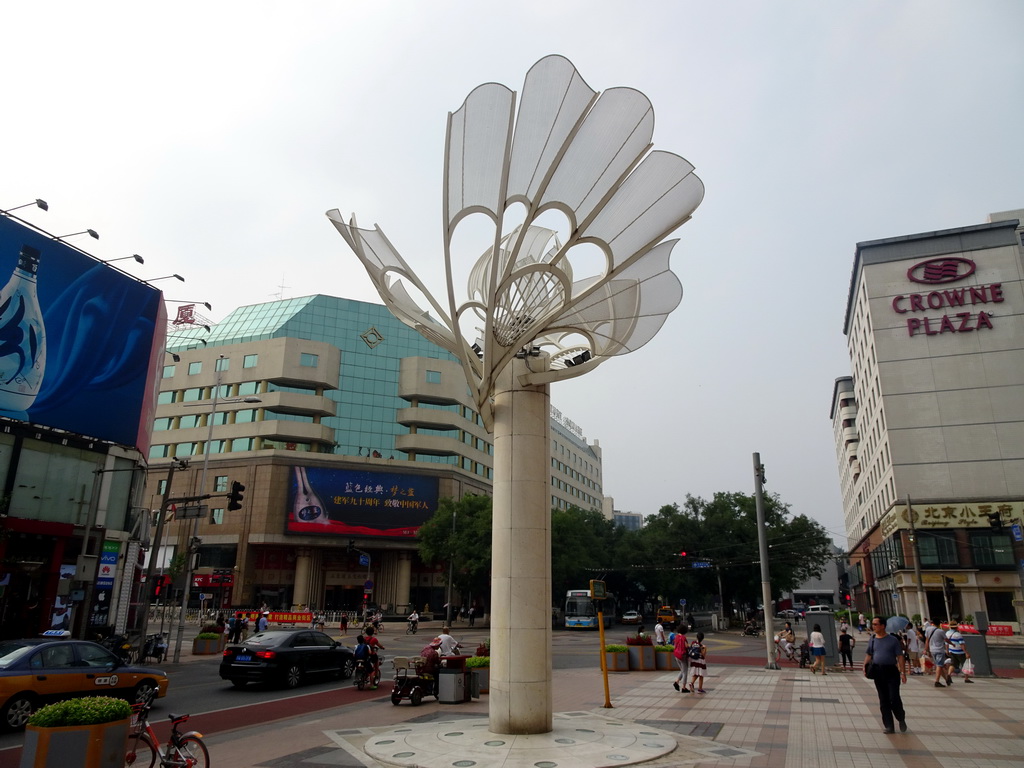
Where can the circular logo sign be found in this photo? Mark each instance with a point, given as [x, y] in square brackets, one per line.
[947, 269]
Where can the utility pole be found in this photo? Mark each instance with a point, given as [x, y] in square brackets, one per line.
[762, 546]
[922, 604]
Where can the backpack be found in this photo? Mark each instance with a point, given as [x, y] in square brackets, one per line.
[694, 652]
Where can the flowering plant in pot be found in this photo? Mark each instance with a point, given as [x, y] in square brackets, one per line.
[88, 710]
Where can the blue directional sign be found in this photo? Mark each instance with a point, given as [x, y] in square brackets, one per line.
[700, 564]
[1018, 534]
[364, 559]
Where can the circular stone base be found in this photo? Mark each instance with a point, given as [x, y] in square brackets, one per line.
[578, 740]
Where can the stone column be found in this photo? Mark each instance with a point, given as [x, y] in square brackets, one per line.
[300, 593]
[403, 576]
[520, 696]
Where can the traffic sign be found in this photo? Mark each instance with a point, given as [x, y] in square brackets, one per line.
[203, 596]
[682, 601]
[364, 559]
[1018, 533]
[368, 585]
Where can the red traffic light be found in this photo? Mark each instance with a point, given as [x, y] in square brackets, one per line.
[683, 553]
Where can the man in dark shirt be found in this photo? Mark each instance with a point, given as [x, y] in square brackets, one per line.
[885, 654]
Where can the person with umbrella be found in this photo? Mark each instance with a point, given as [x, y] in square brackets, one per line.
[885, 664]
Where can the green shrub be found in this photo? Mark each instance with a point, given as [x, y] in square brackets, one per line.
[89, 710]
[664, 648]
[208, 635]
[474, 662]
[615, 648]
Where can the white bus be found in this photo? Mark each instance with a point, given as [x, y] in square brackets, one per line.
[581, 610]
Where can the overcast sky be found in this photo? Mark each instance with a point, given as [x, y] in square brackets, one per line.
[211, 137]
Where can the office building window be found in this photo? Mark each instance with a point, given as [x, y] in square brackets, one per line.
[936, 549]
[159, 451]
[192, 395]
[161, 424]
[168, 371]
[242, 444]
[165, 398]
[194, 368]
[161, 487]
[307, 360]
[248, 388]
[223, 363]
[991, 549]
[217, 516]
[249, 361]
[188, 421]
[433, 377]
[220, 483]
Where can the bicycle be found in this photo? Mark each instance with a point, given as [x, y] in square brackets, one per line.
[412, 628]
[367, 674]
[183, 750]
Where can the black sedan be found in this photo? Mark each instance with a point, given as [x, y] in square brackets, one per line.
[40, 670]
[286, 656]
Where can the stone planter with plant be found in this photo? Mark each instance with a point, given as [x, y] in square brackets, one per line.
[88, 732]
[616, 658]
[480, 668]
[640, 649]
[664, 658]
[208, 643]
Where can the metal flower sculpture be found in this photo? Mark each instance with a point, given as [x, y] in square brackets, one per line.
[568, 149]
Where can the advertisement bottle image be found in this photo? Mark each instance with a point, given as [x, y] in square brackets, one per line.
[308, 506]
[22, 337]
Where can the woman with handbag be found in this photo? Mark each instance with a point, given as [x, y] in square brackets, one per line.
[885, 663]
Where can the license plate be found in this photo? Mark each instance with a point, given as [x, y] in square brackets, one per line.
[245, 657]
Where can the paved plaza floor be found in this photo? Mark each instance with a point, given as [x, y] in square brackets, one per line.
[748, 717]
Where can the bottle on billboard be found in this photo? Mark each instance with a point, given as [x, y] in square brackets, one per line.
[22, 337]
[308, 507]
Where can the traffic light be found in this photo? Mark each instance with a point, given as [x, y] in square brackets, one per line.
[235, 497]
[947, 583]
[995, 522]
[351, 545]
[682, 553]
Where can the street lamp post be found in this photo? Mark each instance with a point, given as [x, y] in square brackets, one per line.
[192, 545]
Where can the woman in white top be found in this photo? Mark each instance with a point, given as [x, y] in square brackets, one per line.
[817, 649]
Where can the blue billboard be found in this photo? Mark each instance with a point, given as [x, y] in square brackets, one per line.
[325, 501]
[80, 342]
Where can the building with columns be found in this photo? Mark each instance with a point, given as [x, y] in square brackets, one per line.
[929, 428]
[346, 428]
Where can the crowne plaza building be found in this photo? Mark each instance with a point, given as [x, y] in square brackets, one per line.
[929, 428]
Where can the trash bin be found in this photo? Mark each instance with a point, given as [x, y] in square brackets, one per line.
[452, 680]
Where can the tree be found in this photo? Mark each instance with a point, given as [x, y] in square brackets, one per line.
[459, 536]
[580, 543]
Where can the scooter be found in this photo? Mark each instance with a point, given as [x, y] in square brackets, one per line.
[122, 646]
[752, 629]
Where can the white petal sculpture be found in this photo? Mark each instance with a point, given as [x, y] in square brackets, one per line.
[587, 156]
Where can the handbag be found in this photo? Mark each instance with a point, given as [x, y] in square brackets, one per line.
[871, 671]
[967, 668]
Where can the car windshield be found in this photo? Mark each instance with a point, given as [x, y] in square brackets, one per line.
[11, 651]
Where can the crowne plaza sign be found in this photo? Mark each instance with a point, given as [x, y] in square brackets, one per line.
[960, 305]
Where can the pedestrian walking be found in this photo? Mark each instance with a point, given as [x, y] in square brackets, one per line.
[937, 650]
[680, 652]
[472, 614]
[914, 648]
[956, 652]
[885, 664]
[698, 664]
[235, 627]
[862, 622]
[817, 649]
[846, 643]
[264, 621]
[344, 623]
[659, 634]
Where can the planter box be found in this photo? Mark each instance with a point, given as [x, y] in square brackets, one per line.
[482, 676]
[616, 661]
[207, 646]
[76, 746]
[665, 660]
[641, 657]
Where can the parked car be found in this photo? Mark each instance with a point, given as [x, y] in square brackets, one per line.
[286, 657]
[819, 609]
[36, 671]
[788, 613]
[632, 617]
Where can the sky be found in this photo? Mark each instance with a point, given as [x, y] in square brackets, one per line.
[210, 138]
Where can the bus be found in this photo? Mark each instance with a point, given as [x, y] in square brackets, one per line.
[581, 610]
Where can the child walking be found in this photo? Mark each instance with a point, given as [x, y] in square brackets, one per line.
[698, 654]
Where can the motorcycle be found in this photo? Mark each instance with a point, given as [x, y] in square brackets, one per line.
[155, 647]
[122, 647]
[752, 629]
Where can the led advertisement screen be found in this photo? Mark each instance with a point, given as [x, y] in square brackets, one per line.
[346, 502]
[79, 341]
